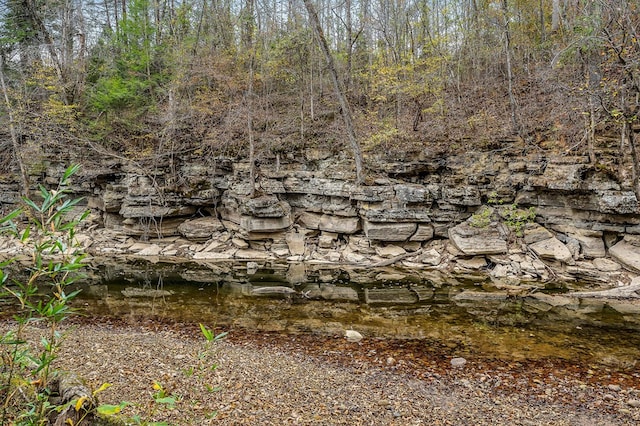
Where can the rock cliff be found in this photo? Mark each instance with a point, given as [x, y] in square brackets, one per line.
[535, 217]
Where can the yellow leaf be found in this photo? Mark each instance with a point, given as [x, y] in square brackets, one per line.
[156, 386]
[80, 402]
[102, 388]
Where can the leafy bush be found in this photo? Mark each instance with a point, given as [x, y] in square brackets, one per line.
[26, 375]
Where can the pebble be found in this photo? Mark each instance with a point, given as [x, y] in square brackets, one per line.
[615, 388]
[353, 336]
[458, 362]
[635, 403]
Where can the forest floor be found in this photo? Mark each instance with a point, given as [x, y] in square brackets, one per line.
[275, 379]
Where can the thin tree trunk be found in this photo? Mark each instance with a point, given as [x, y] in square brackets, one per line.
[249, 45]
[252, 159]
[14, 134]
[507, 51]
[555, 16]
[339, 91]
[635, 160]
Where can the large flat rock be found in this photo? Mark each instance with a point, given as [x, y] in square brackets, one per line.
[389, 231]
[552, 248]
[200, 229]
[473, 241]
[628, 255]
[330, 223]
[264, 224]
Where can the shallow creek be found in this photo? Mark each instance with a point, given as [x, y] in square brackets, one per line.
[461, 317]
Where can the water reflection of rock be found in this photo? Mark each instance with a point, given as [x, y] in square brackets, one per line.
[468, 317]
[302, 295]
[543, 309]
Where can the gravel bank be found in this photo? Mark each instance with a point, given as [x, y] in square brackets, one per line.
[271, 379]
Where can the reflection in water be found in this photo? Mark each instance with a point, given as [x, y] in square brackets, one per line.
[461, 317]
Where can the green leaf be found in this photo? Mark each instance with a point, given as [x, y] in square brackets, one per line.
[25, 234]
[71, 170]
[208, 334]
[11, 216]
[169, 400]
[221, 336]
[111, 410]
[31, 204]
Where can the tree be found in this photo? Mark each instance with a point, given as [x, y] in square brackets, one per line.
[339, 91]
[13, 131]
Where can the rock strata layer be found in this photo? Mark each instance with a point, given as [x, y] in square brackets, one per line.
[550, 217]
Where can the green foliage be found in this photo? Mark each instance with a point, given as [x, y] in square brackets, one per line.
[482, 218]
[127, 67]
[42, 297]
[516, 218]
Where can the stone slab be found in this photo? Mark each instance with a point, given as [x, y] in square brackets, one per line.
[389, 231]
[473, 241]
[628, 255]
[552, 248]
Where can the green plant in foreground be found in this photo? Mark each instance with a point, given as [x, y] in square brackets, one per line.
[43, 297]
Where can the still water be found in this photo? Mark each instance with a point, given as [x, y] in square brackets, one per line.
[461, 316]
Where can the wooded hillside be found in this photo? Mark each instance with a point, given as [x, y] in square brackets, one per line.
[144, 79]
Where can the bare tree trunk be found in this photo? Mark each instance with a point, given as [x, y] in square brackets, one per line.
[555, 16]
[339, 91]
[635, 161]
[249, 45]
[14, 134]
[507, 51]
[252, 155]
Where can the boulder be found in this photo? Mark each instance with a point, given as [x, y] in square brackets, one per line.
[473, 241]
[431, 257]
[626, 254]
[424, 232]
[327, 240]
[476, 262]
[552, 248]
[606, 265]
[591, 247]
[200, 229]
[534, 233]
[151, 250]
[330, 223]
[389, 231]
[267, 206]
